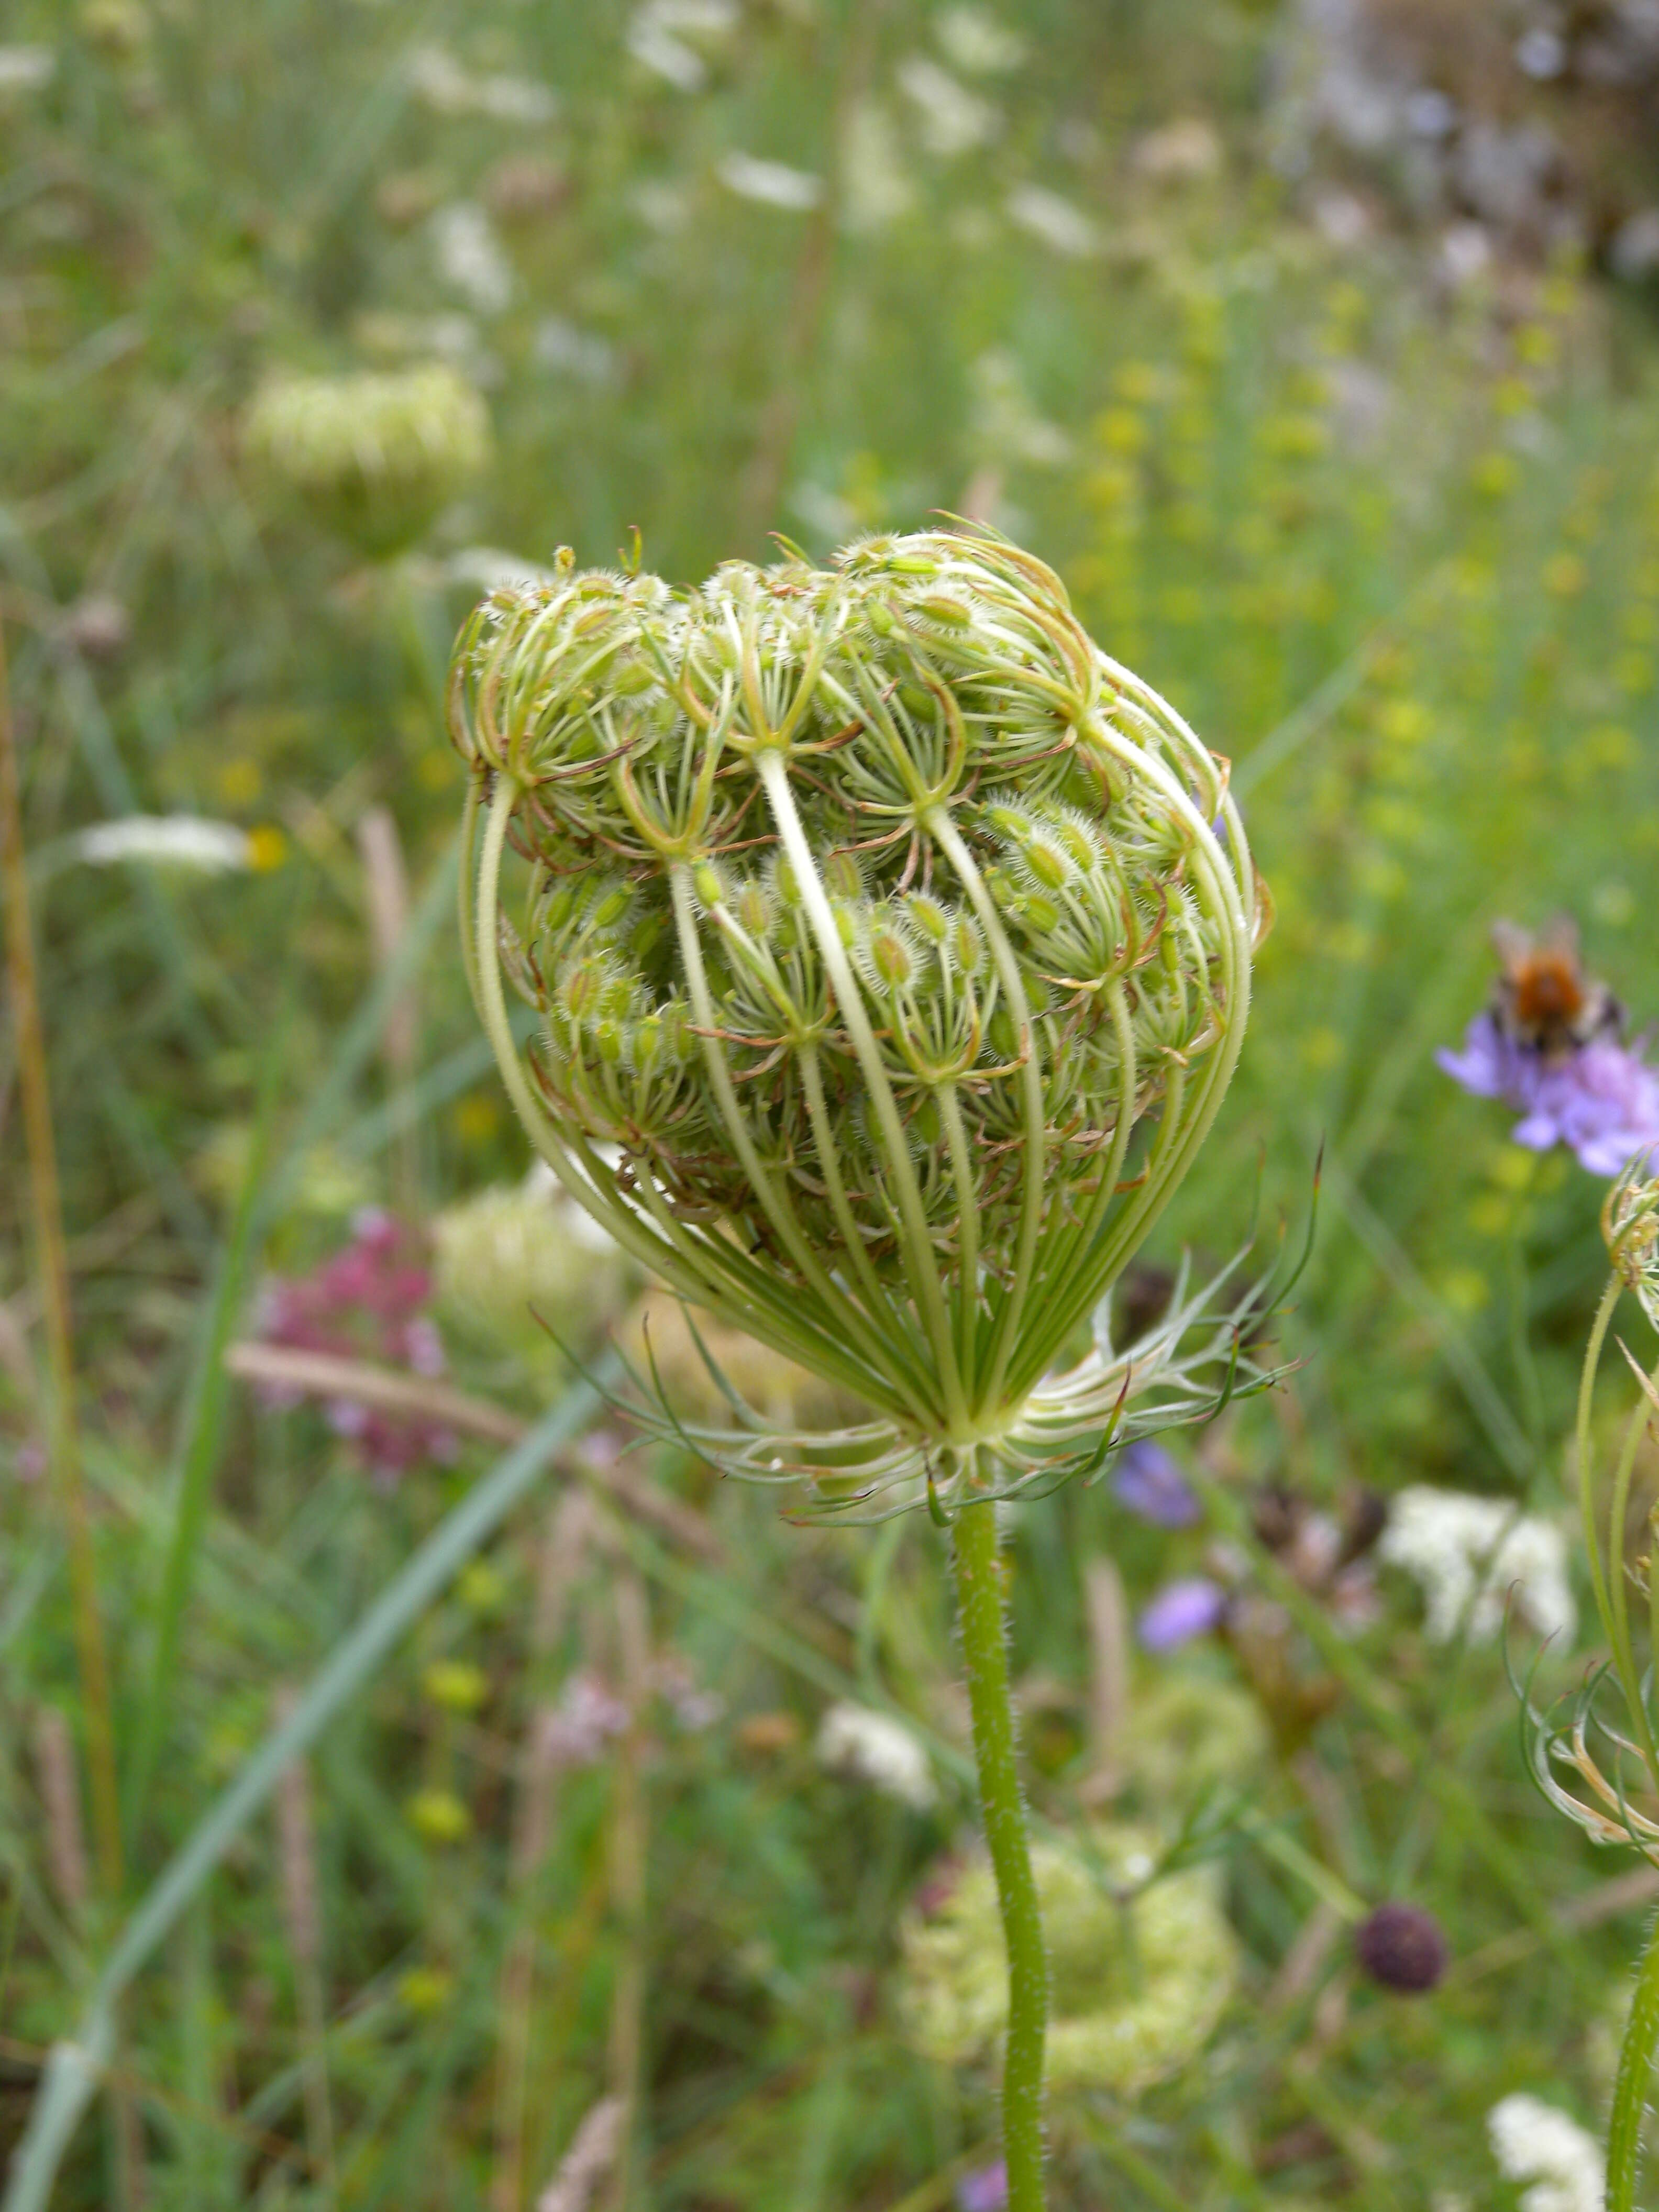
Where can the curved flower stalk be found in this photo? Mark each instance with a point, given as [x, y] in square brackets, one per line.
[890, 950]
[1612, 1791]
[374, 456]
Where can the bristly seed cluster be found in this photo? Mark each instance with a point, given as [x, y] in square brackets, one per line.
[868, 911]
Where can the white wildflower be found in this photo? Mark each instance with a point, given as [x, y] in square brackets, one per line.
[665, 37]
[1458, 1548]
[662, 206]
[179, 840]
[1534, 2141]
[26, 68]
[438, 79]
[774, 183]
[853, 1739]
[666, 57]
[1054, 223]
[950, 118]
[976, 42]
[470, 256]
[875, 190]
[559, 345]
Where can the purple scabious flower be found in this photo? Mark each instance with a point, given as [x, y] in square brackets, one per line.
[1147, 1480]
[1191, 1606]
[986, 2189]
[1600, 1099]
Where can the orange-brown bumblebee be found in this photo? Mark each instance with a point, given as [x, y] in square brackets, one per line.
[1543, 999]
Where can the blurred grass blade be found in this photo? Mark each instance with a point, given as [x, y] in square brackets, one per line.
[203, 1425]
[74, 2068]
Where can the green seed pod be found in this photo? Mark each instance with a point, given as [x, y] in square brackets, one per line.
[929, 916]
[706, 881]
[947, 1046]
[374, 456]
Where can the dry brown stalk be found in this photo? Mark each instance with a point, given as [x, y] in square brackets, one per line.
[60, 1795]
[1109, 1680]
[592, 2154]
[563, 1555]
[389, 1389]
[53, 1263]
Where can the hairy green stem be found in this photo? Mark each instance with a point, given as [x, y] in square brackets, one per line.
[1630, 2093]
[985, 1654]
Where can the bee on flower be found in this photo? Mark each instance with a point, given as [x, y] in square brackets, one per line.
[1551, 1045]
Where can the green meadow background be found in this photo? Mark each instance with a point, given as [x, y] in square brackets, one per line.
[1361, 469]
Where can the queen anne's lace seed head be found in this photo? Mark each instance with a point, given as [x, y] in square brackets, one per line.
[1139, 1972]
[374, 456]
[890, 946]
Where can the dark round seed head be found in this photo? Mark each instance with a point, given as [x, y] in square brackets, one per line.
[1401, 1947]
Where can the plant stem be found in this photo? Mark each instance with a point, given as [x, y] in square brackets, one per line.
[1631, 2090]
[55, 1301]
[985, 1654]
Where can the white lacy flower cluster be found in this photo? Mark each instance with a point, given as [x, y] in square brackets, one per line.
[1535, 2143]
[1465, 1551]
[179, 840]
[872, 1747]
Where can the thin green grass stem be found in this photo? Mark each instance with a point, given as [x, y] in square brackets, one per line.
[1630, 2092]
[985, 1656]
[199, 1457]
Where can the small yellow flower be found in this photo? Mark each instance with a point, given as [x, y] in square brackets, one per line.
[1121, 430]
[267, 848]
[478, 1119]
[1465, 1290]
[456, 1684]
[425, 1989]
[240, 782]
[439, 1817]
[482, 1588]
[1494, 474]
